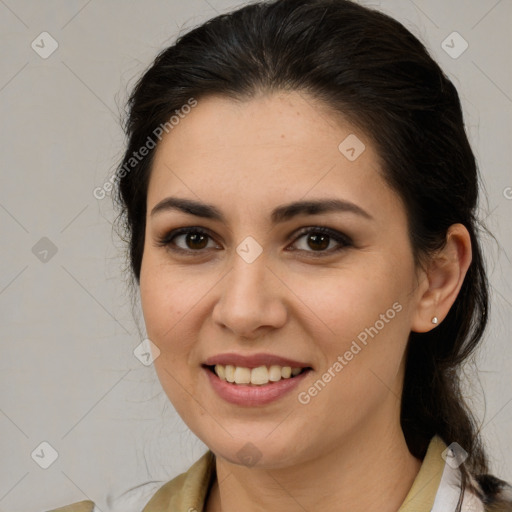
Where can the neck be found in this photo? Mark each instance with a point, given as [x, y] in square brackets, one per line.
[367, 471]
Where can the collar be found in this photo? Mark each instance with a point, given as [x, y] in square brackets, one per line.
[436, 487]
[187, 492]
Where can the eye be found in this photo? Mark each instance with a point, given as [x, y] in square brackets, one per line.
[195, 240]
[192, 239]
[320, 238]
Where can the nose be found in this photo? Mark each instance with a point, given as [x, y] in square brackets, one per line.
[251, 300]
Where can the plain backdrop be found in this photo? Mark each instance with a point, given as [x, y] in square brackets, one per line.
[68, 375]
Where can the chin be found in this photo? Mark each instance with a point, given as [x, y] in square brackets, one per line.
[261, 453]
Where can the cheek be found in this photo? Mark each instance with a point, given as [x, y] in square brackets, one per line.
[171, 300]
[344, 302]
[362, 316]
[165, 302]
[166, 298]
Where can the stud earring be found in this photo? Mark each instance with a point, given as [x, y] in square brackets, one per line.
[435, 320]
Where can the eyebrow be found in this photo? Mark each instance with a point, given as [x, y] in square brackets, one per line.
[280, 214]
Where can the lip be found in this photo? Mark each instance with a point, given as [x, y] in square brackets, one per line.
[249, 395]
[253, 360]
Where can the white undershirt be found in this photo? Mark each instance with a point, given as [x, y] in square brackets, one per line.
[448, 493]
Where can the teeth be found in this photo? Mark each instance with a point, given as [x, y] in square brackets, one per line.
[242, 375]
[221, 371]
[274, 373]
[229, 372]
[257, 376]
[286, 372]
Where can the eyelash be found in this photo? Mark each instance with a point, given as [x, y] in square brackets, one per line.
[340, 238]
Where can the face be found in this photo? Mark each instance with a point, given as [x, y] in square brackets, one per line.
[332, 291]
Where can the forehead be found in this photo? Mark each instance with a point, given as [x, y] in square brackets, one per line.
[266, 149]
[285, 121]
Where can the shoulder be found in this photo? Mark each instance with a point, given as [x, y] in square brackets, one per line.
[186, 491]
[79, 506]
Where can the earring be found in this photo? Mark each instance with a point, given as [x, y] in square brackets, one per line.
[434, 320]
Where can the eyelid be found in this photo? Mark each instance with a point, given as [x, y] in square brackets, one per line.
[316, 228]
[166, 239]
[343, 240]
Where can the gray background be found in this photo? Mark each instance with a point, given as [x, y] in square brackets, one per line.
[68, 375]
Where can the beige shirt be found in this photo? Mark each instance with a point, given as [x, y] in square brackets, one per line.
[187, 492]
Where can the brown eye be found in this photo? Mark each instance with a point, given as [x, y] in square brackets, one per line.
[186, 240]
[196, 240]
[319, 239]
[318, 242]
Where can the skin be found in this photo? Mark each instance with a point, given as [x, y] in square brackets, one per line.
[344, 450]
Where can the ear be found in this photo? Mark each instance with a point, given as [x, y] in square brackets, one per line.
[444, 276]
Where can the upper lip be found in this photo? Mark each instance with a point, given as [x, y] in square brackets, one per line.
[253, 360]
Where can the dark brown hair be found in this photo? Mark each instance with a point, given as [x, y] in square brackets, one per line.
[367, 67]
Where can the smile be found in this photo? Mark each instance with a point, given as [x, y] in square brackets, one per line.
[247, 393]
[258, 376]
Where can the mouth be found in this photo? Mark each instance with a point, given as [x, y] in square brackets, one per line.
[258, 376]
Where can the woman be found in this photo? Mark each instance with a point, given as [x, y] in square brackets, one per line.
[299, 196]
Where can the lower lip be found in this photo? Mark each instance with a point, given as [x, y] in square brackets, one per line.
[250, 395]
